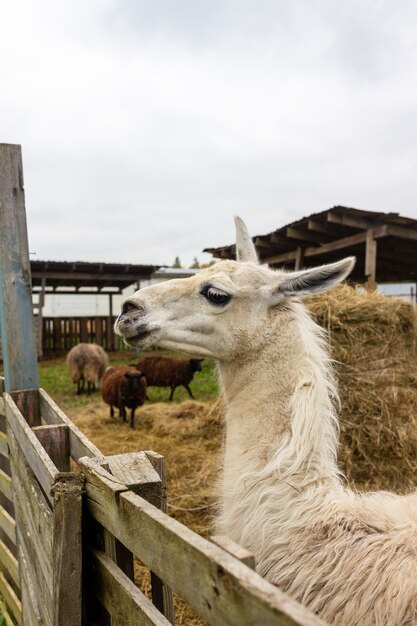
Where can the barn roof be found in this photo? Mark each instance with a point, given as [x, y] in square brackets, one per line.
[93, 277]
[385, 244]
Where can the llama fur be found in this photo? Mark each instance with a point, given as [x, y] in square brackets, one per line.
[123, 387]
[166, 371]
[87, 363]
[350, 557]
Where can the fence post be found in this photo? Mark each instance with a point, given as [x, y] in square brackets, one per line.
[16, 310]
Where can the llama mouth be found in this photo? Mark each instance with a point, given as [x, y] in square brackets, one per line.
[141, 337]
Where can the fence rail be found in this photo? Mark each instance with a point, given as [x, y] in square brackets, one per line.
[59, 334]
[123, 517]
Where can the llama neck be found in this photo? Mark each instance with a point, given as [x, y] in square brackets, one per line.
[280, 419]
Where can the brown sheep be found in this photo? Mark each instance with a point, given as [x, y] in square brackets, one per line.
[123, 387]
[87, 363]
[165, 371]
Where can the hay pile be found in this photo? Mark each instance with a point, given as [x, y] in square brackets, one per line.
[374, 341]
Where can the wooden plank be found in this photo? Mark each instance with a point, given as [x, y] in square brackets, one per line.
[225, 592]
[161, 594]
[16, 313]
[120, 596]
[9, 563]
[55, 440]
[41, 590]
[67, 549]
[2, 406]
[402, 232]
[370, 260]
[312, 251]
[38, 460]
[306, 235]
[10, 598]
[138, 474]
[351, 221]
[4, 445]
[30, 606]
[79, 444]
[299, 259]
[233, 548]
[6, 485]
[27, 402]
[7, 524]
[37, 515]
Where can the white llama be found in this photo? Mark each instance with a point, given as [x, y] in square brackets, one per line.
[349, 557]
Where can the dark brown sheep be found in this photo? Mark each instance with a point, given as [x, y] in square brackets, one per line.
[123, 387]
[165, 371]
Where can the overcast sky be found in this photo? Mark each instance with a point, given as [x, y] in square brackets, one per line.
[147, 124]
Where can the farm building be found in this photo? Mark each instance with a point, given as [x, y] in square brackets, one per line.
[78, 301]
[384, 244]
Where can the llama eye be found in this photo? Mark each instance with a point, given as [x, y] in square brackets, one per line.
[216, 296]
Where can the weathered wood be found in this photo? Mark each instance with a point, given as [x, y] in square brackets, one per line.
[138, 474]
[33, 511]
[29, 601]
[2, 405]
[16, 314]
[6, 485]
[40, 463]
[38, 583]
[161, 594]
[225, 591]
[67, 549]
[233, 548]
[78, 442]
[55, 440]
[370, 260]
[10, 598]
[9, 564]
[7, 524]
[312, 251]
[4, 445]
[299, 259]
[120, 596]
[306, 235]
[1, 384]
[27, 402]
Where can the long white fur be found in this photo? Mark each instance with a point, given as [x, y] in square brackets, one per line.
[350, 557]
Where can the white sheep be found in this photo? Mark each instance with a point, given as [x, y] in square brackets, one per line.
[350, 557]
[86, 363]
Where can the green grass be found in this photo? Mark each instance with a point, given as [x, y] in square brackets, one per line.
[54, 379]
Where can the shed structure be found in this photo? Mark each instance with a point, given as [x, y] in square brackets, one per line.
[385, 244]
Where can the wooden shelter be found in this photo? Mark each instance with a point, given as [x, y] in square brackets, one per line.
[80, 279]
[384, 244]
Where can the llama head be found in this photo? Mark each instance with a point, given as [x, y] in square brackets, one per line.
[225, 310]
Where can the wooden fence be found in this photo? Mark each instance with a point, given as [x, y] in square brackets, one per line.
[59, 334]
[72, 521]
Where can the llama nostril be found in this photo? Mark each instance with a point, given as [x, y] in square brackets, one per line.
[129, 306]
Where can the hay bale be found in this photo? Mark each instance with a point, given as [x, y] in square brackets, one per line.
[374, 342]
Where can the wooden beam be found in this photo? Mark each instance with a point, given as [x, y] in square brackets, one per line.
[370, 260]
[262, 242]
[299, 259]
[333, 230]
[402, 232]
[16, 312]
[55, 439]
[351, 221]
[306, 235]
[332, 246]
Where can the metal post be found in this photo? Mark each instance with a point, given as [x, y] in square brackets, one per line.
[16, 310]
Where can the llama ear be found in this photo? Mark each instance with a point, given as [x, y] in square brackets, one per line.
[315, 280]
[245, 250]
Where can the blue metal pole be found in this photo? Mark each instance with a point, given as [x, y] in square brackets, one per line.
[16, 309]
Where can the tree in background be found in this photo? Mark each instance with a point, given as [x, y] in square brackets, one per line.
[195, 265]
[177, 262]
